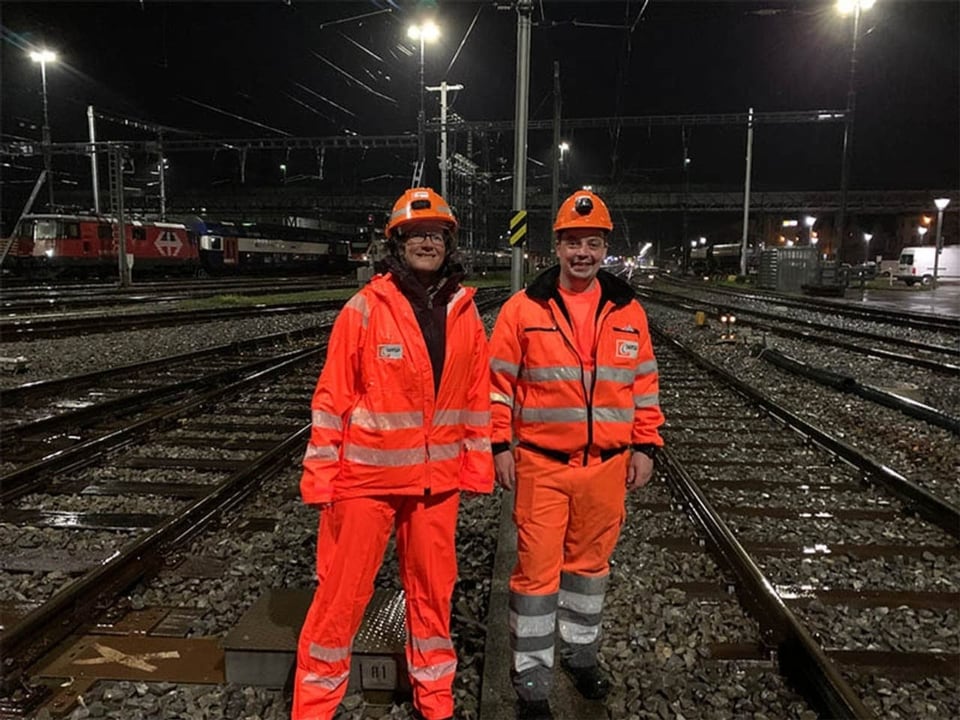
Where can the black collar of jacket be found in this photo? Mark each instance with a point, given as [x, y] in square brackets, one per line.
[612, 288]
[414, 290]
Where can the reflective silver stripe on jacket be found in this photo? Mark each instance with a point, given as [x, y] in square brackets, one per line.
[359, 303]
[444, 452]
[502, 366]
[386, 420]
[477, 418]
[328, 421]
[477, 444]
[556, 415]
[550, 374]
[613, 414]
[615, 374]
[321, 452]
[648, 400]
[384, 458]
[496, 397]
[647, 367]
[455, 297]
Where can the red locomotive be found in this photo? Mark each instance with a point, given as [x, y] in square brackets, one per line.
[85, 246]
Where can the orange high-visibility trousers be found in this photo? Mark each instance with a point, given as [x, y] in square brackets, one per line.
[352, 538]
[568, 518]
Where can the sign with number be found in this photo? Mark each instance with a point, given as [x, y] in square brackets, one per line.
[378, 672]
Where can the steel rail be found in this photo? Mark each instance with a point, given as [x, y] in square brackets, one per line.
[917, 499]
[738, 310]
[847, 384]
[26, 479]
[799, 657]
[25, 642]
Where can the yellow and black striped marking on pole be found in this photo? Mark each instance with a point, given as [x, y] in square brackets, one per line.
[518, 226]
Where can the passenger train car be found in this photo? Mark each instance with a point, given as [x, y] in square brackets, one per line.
[86, 246]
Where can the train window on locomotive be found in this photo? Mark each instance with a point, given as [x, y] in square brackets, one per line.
[46, 230]
[24, 230]
[71, 230]
[104, 232]
[139, 233]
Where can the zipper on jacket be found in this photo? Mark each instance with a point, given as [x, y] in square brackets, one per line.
[587, 397]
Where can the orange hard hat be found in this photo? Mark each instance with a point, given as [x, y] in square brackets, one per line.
[583, 209]
[417, 205]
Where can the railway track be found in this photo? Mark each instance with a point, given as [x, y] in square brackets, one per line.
[60, 298]
[690, 627]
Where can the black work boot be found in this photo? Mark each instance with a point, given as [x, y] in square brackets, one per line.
[533, 710]
[591, 681]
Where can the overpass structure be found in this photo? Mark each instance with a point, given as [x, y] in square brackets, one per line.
[289, 200]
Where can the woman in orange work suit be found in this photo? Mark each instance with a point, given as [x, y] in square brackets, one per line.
[400, 425]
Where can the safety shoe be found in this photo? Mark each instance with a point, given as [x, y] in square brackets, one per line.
[591, 681]
[533, 710]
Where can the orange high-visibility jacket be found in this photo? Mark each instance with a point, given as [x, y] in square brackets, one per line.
[379, 427]
[539, 387]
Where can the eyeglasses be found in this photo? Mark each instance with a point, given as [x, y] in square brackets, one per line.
[423, 237]
[594, 244]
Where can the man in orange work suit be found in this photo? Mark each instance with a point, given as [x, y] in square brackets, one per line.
[401, 424]
[574, 380]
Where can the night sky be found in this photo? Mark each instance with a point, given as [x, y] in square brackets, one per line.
[247, 69]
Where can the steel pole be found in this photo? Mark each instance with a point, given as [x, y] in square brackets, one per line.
[421, 119]
[555, 195]
[47, 157]
[746, 195]
[524, 10]
[94, 175]
[848, 134]
[938, 246]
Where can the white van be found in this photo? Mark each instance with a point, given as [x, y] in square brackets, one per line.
[916, 264]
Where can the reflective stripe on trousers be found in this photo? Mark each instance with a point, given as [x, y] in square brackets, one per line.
[568, 520]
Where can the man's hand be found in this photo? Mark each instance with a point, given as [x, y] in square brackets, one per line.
[506, 469]
[639, 471]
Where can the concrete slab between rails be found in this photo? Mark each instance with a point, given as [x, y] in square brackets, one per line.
[261, 648]
[497, 698]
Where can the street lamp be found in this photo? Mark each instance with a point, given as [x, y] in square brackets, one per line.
[425, 32]
[808, 222]
[867, 237]
[845, 7]
[941, 204]
[43, 57]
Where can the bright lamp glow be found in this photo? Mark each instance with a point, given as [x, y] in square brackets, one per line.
[428, 31]
[43, 56]
[867, 237]
[809, 220]
[941, 203]
[845, 7]
[922, 230]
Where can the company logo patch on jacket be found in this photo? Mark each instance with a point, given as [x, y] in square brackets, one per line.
[628, 348]
[390, 352]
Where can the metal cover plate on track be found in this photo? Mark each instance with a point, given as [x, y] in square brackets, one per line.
[155, 659]
[261, 649]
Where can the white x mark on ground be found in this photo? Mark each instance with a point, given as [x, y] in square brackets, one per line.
[139, 662]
